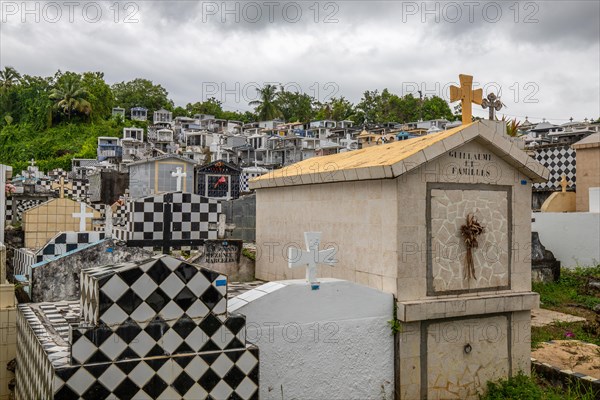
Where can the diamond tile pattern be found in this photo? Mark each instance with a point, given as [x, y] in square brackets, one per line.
[559, 160]
[155, 329]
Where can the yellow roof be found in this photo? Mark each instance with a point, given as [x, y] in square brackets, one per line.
[386, 161]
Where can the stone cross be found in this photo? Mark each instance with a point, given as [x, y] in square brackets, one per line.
[32, 162]
[178, 175]
[62, 186]
[466, 95]
[223, 226]
[310, 257]
[108, 221]
[83, 216]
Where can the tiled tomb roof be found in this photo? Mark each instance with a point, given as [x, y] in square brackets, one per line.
[157, 328]
[394, 159]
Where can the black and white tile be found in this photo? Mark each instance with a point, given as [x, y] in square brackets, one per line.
[179, 221]
[559, 160]
[155, 329]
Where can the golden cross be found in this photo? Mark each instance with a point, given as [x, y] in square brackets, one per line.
[466, 95]
[563, 183]
[62, 186]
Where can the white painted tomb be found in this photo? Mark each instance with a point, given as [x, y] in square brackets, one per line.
[395, 213]
[330, 343]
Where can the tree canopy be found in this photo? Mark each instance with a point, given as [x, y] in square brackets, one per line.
[54, 119]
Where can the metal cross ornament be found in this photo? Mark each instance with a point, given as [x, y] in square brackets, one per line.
[310, 257]
[493, 103]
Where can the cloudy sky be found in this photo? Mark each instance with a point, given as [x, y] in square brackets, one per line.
[543, 56]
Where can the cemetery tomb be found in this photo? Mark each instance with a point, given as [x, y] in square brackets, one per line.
[60, 244]
[153, 329]
[43, 222]
[154, 176]
[331, 343]
[443, 222]
[219, 180]
[168, 221]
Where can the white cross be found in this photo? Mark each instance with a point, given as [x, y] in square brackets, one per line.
[178, 175]
[310, 257]
[82, 215]
[223, 226]
[108, 222]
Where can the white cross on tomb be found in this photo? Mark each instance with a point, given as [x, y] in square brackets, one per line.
[83, 216]
[178, 175]
[310, 257]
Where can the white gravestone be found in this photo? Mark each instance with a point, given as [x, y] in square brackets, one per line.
[310, 257]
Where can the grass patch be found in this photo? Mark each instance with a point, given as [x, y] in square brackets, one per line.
[571, 288]
[534, 388]
[573, 295]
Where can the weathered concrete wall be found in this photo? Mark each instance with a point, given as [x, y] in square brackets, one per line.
[242, 213]
[331, 343]
[588, 168]
[572, 237]
[225, 256]
[58, 279]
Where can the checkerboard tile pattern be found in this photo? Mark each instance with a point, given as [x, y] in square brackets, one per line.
[171, 220]
[155, 329]
[559, 160]
[58, 245]
[245, 178]
[65, 242]
[16, 207]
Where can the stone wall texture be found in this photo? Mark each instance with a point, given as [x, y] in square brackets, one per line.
[449, 212]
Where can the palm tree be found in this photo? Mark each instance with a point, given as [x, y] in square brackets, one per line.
[69, 96]
[266, 108]
[8, 78]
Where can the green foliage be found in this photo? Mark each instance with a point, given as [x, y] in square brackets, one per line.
[571, 294]
[570, 288]
[141, 93]
[267, 108]
[395, 323]
[534, 388]
[249, 254]
[70, 96]
[100, 95]
[337, 109]
[294, 106]
[389, 107]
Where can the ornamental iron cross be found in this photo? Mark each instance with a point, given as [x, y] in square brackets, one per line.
[310, 257]
[494, 104]
[466, 95]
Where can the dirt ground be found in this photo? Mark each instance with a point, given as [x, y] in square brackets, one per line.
[570, 354]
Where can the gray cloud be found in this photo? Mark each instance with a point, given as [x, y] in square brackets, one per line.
[546, 69]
